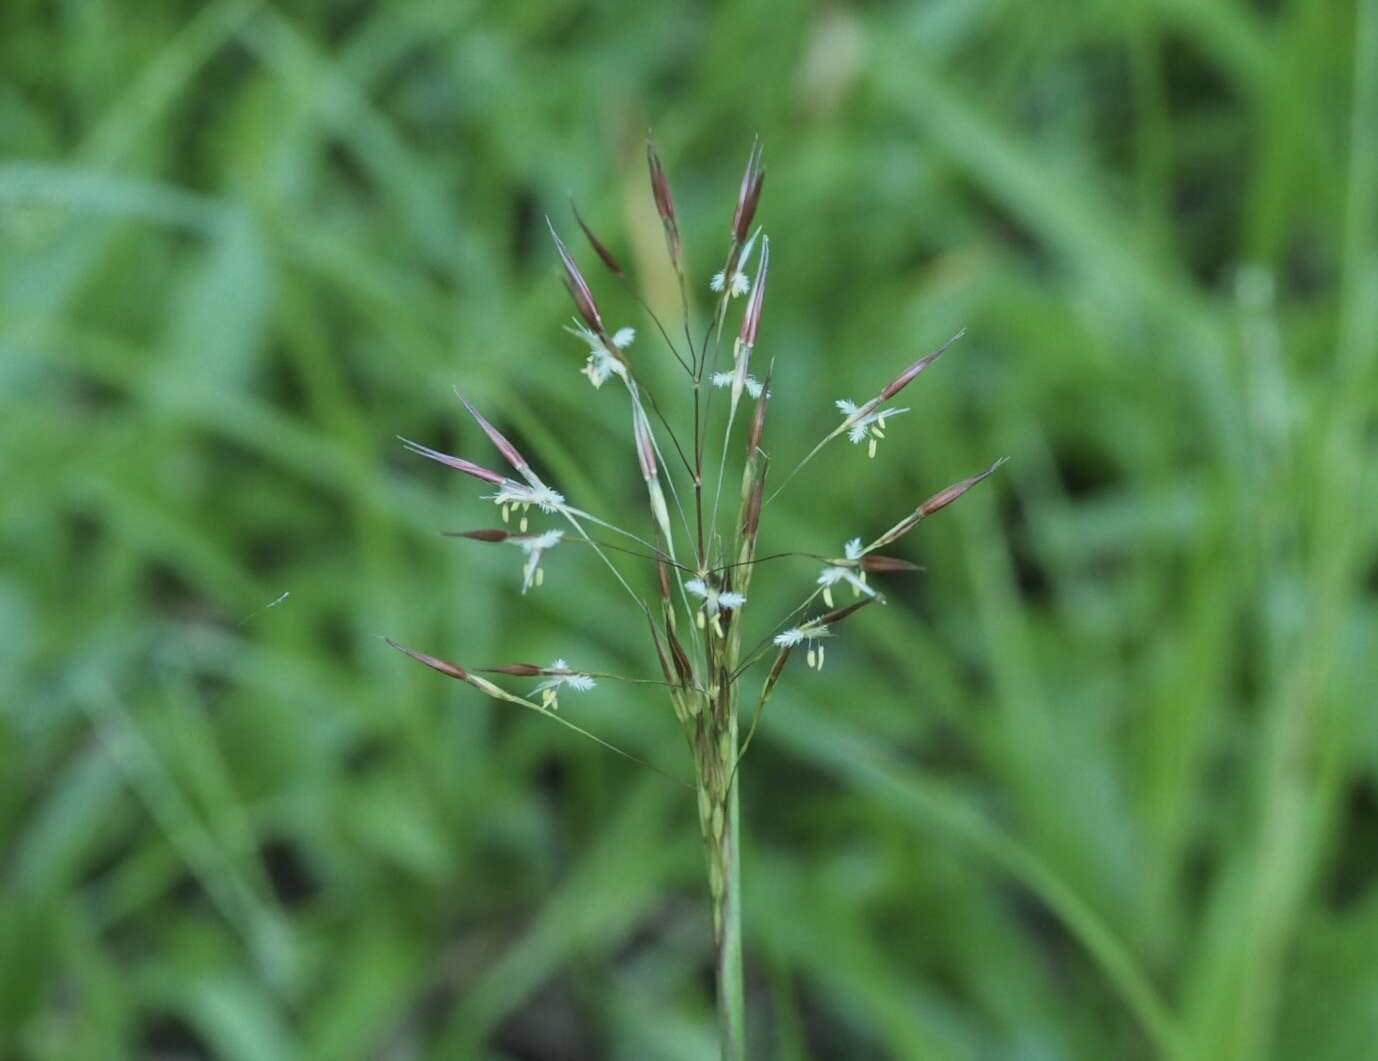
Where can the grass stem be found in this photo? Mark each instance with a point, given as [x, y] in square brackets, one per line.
[728, 922]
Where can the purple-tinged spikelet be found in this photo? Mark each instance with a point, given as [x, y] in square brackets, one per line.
[906, 377]
[599, 247]
[836, 616]
[748, 195]
[887, 565]
[934, 504]
[453, 670]
[518, 670]
[645, 447]
[498, 439]
[943, 498]
[457, 463]
[485, 535]
[683, 668]
[751, 320]
[751, 514]
[665, 202]
[758, 419]
[577, 285]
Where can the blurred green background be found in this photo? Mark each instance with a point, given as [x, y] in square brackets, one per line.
[1100, 783]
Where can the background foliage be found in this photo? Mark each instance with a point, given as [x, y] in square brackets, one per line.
[1100, 783]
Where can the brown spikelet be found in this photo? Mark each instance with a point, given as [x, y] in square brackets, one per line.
[495, 436]
[577, 285]
[484, 535]
[749, 194]
[664, 200]
[936, 503]
[751, 319]
[758, 421]
[683, 669]
[599, 247]
[907, 376]
[887, 565]
[457, 463]
[663, 570]
[943, 498]
[645, 446]
[519, 670]
[664, 662]
[836, 616]
[751, 514]
[775, 671]
[453, 670]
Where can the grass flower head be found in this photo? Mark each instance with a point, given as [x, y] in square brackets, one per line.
[699, 618]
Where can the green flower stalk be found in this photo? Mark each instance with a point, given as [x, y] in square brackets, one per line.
[696, 625]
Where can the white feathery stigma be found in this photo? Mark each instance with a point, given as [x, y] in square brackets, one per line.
[864, 420]
[849, 572]
[550, 688]
[715, 602]
[751, 383]
[534, 545]
[741, 283]
[810, 633]
[512, 495]
[600, 363]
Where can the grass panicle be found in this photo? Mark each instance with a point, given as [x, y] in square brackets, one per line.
[697, 623]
